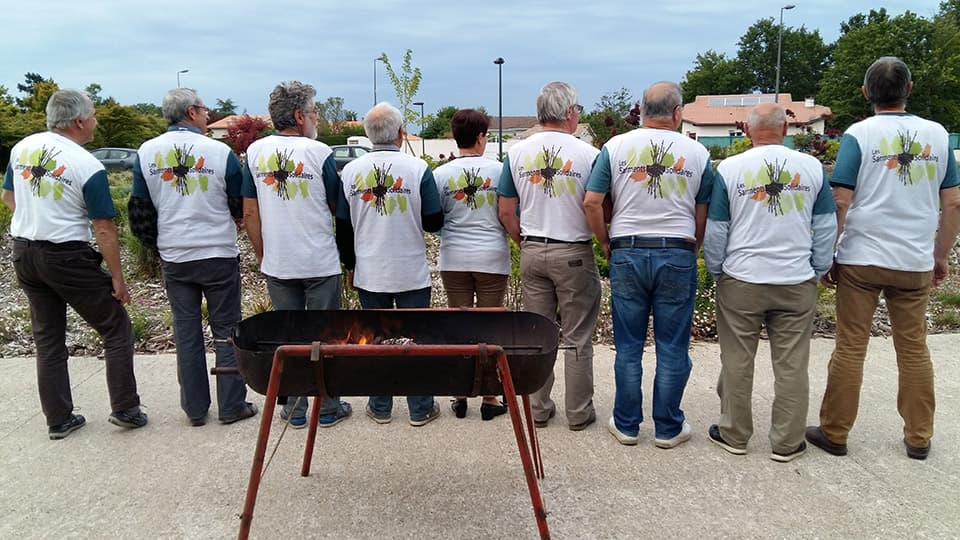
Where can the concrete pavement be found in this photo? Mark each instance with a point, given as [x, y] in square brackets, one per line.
[462, 478]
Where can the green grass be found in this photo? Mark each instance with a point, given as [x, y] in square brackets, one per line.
[948, 297]
[948, 318]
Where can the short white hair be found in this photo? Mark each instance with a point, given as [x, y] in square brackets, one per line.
[382, 123]
[176, 104]
[554, 101]
[66, 105]
[774, 117]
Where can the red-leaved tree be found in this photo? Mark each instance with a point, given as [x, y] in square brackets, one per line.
[244, 130]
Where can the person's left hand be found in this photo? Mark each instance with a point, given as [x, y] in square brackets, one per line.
[120, 291]
[941, 269]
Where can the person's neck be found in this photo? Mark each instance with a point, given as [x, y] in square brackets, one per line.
[71, 134]
[475, 150]
[294, 132]
[657, 123]
[765, 137]
[902, 108]
[558, 126]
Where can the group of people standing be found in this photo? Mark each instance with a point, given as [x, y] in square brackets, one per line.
[767, 221]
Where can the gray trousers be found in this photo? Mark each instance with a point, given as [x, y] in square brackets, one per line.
[561, 281]
[787, 311]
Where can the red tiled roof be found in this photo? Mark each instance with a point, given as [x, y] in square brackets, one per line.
[224, 123]
[701, 113]
[512, 122]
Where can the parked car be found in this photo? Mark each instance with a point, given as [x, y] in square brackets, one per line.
[116, 159]
[345, 153]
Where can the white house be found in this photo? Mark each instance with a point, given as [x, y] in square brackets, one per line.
[717, 116]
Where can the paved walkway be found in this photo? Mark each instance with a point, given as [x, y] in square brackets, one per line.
[462, 478]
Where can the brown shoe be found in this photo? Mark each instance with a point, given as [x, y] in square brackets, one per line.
[816, 437]
[583, 425]
[915, 452]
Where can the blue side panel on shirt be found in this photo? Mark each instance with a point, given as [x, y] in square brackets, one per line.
[824, 203]
[331, 179]
[139, 183]
[233, 178]
[248, 189]
[96, 194]
[847, 167]
[429, 196]
[506, 187]
[600, 179]
[952, 178]
[706, 185]
[8, 177]
[719, 200]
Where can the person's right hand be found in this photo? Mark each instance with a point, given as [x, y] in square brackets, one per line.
[829, 280]
[941, 269]
[350, 279]
[120, 291]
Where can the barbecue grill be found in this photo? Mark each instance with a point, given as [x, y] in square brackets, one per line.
[464, 352]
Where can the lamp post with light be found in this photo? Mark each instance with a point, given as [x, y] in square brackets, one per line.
[499, 62]
[423, 143]
[375, 60]
[178, 76]
[776, 88]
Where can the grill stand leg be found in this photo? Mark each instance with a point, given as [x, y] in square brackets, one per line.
[525, 452]
[311, 436]
[256, 470]
[534, 441]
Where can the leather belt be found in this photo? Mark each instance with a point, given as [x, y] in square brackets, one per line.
[651, 242]
[544, 240]
[72, 244]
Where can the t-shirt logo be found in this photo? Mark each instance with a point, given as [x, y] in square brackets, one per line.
[284, 175]
[182, 169]
[39, 164]
[904, 154]
[658, 170]
[775, 187]
[548, 169]
[471, 188]
[380, 189]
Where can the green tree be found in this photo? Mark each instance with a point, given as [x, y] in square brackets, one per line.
[30, 80]
[124, 126]
[37, 101]
[148, 109]
[438, 124]
[713, 73]
[608, 117]
[406, 85]
[930, 48]
[333, 114]
[93, 90]
[226, 107]
[803, 60]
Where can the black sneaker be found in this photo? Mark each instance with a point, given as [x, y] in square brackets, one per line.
[717, 439]
[247, 410]
[132, 418]
[789, 456]
[816, 437]
[914, 452]
[61, 431]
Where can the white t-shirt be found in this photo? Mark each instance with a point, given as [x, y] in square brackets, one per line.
[185, 176]
[473, 240]
[295, 220]
[382, 190]
[58, 187]
[772, 194]
[896, 165]
[656, 178]
[548, 173]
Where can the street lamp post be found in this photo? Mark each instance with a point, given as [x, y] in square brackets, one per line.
[776, 88]
[375, 60]
[178, 76]
[499, 62]
[423, 143]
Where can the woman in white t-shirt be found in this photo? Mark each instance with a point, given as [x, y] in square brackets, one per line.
[474, 254]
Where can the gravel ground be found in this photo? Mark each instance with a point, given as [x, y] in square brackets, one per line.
[151, 317]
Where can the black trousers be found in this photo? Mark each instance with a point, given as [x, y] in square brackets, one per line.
[52, 276]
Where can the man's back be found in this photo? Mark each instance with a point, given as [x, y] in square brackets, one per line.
[186, 176]
[896, 164]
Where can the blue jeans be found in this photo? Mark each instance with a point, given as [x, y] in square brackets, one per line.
[663, 280]
[218, 280]
[420, 406]
[299, 294]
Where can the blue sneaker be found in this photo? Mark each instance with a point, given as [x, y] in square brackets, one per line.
[334, 418]
[296, 422]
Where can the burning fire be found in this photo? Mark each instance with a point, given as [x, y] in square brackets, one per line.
[356, 335]
[360, 334]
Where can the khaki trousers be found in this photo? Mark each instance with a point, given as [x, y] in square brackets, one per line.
[561, 281]
[906, 294]
[787, 311]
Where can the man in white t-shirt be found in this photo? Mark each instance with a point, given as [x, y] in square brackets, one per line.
[290, 190]
[55, 189]
[770, 236]
[545, 176]
[386, 202]
[184, 202]
[660, 183]
[898, 208]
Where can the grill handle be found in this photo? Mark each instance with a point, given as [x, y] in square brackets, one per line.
[224, 371]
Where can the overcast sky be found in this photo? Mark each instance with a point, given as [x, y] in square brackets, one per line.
[241, 49]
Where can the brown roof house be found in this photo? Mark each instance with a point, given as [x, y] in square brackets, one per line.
[218, 129]
[710, 117]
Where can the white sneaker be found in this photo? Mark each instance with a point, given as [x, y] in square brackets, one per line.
[622, 438]
[677, 440]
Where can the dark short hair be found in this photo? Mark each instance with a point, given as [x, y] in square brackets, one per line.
[467, 124]
[887, 81]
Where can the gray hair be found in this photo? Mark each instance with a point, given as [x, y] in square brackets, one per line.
[766, 117]
[382, 123]
[176, 104]
[887, 81]
[66, 105]
[554, 101]
[288, 98]
[659, 102]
